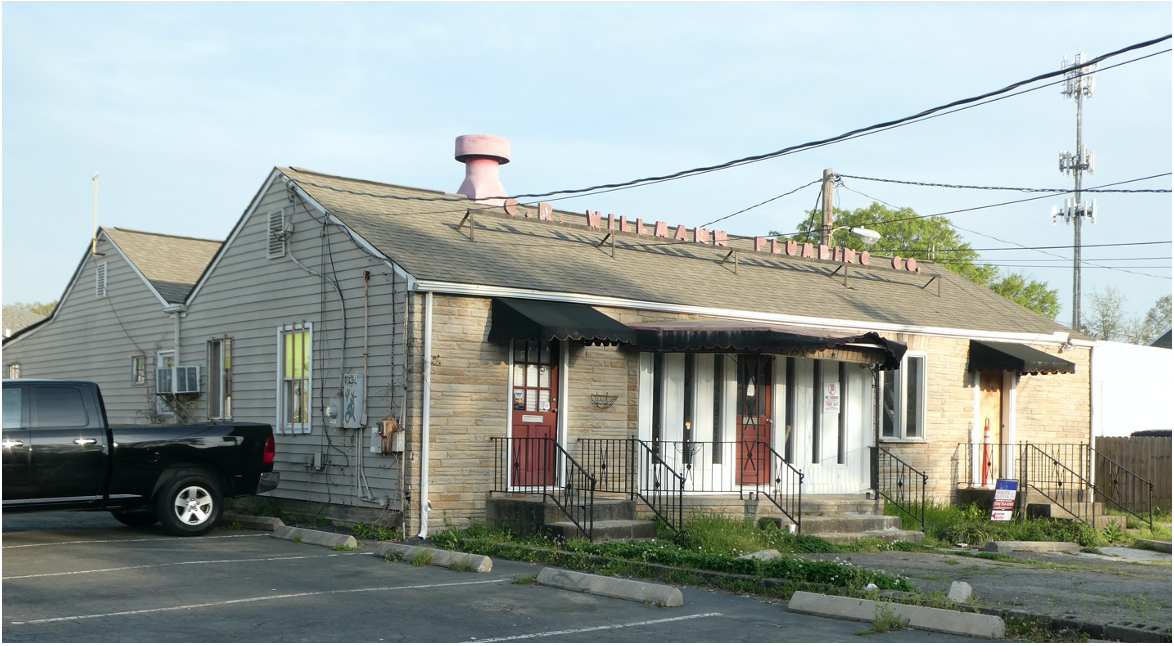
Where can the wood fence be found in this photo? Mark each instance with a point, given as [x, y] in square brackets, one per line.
[1148, 457]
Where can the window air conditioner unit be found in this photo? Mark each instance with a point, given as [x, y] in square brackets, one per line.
[177, 380]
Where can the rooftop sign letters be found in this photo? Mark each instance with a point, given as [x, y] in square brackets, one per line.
[719, 238]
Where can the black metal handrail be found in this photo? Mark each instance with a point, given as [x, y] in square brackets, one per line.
[1123, 488]
[787, 493]
[632, 466]
[895, 480]
[1062, 474]
[540, 466]
[980, 464]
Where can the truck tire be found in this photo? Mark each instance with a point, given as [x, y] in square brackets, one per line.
[137, 518]
[189, 504]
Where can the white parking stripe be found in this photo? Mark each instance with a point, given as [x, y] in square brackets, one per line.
[272, 597]
[134, 540]
[593, 628]
[140, 567]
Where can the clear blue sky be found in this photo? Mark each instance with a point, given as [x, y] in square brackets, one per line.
[185, 107]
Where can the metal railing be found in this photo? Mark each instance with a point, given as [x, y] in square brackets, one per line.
[1061, 473]
[982, 464]
[1123, 488]
[897, 482]
[539, 466]
[787, 492]
[631, 466]
[645, 469]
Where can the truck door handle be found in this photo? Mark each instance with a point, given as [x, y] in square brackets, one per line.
[84, 441]
[8, 444]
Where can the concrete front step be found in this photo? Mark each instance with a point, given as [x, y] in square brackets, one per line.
[849, 523]
[606, 530]
[888, 535]
[540, 508]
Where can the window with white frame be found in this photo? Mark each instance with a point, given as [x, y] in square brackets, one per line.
[138, 370]
[220, 378]
[14, 371]
[295, 369]
[164, 359]
[902, 405]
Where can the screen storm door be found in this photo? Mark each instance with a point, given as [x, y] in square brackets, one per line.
[534, 403]
[753, 410]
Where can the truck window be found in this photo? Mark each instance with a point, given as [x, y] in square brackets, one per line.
[13, 406]
[59, 407]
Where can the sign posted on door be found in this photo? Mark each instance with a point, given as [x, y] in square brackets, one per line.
[1004, 499]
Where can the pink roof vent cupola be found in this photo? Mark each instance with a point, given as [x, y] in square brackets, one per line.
[481, 155]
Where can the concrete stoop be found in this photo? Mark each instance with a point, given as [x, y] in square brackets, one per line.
[614, 518]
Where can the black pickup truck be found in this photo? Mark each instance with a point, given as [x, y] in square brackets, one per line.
[60, 453]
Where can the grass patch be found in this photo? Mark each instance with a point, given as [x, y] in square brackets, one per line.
[531, 579]
[346, 548]
[461, 565]
[392, 555]
[297, 538]
[423, 557]
[1033, 630]
[375, 532]
[947, 525]
[884, 620]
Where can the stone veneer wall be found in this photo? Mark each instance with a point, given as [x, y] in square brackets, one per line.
[470, 405]
[1048, 408]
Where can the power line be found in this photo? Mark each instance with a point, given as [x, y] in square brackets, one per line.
[1018, 189]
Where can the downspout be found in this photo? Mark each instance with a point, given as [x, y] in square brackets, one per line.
[425, 415]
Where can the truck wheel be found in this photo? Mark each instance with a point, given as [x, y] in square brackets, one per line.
[189, 504]
[138, 518]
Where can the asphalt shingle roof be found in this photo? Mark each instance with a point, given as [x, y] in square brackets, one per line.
[421, 235]
[172, 264]
[16, 319]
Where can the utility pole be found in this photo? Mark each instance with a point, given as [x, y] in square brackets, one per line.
[1078, 85]
[825, 237]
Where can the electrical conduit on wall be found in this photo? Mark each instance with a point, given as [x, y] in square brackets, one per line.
[426, 415]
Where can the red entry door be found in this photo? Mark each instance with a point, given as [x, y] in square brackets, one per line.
[535, 413]
[754, 413]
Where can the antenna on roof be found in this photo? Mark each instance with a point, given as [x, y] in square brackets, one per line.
[94, 236]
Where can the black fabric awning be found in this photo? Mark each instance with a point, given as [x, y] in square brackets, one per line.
[736, 336]
[1016, 357]
[515, 318]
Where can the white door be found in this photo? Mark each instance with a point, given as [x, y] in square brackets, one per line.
[829, 420]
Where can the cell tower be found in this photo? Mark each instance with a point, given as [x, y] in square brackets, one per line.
[1078, 85]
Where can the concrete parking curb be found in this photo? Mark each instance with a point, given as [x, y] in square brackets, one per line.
[440, 558]
[315, 537]
[921, 618]
[1004, 547]
[649, 593]
[1156, 546]
[252, 522]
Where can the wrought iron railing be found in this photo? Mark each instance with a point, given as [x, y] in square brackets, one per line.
[1123, 488]
[899, 483]
[982, 464]
[539, 466]
[631, 466]
[787, 492]
[1062, 474]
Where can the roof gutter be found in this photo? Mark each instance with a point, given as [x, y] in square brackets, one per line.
[1058, 338]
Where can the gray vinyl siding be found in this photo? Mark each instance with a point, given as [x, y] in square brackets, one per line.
[248, 297]
[94, 338]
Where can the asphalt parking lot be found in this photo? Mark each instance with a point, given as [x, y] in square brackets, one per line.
[82, 577]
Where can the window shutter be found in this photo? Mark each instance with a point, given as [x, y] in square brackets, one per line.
[276, 246]
[100, 280]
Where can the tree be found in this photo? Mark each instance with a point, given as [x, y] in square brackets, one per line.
[904, 233]
[1143, 331]
[44, 309]
[1104, 318]
[1033, 295]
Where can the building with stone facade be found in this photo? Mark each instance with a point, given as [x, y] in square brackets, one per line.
[420, 353]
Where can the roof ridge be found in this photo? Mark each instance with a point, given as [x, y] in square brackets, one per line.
[162, 235]
[364, 181]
